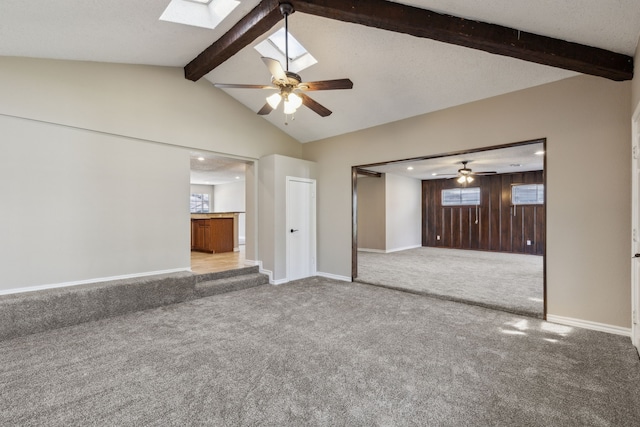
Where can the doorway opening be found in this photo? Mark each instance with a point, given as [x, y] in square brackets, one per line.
[481, 241]
[218, 209]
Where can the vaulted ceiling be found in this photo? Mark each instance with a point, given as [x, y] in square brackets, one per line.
[395, 75]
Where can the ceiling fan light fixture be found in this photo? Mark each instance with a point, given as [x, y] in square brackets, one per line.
[469, 179]
[291, 103]
[461, 179]
[274, 100]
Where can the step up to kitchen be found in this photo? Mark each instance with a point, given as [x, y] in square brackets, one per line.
[38, 311]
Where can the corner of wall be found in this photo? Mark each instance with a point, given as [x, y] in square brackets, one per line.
[635, 83]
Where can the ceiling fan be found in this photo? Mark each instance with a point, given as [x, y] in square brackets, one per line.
[465, 174]
[289, 85]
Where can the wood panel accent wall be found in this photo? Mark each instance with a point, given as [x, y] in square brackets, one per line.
[500, 226]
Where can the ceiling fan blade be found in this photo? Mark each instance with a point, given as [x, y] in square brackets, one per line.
[266, 109]
[327, 85]
[485, 173]
[315, 106]
[242, 86]
[275, 68]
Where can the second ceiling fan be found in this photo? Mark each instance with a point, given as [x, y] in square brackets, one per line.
[289, 85]
[465, 174]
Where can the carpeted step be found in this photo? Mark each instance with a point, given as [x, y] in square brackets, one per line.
[228, 273]
[230, 284]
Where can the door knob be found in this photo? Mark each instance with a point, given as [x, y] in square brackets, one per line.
[636, 256]
[293, 231]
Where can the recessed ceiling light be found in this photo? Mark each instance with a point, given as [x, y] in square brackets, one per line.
[410, 168]
[237, 177]
[434, 174]
[201, 159]
[539, 153]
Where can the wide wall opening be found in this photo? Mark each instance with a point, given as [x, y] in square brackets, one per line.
[467, 226]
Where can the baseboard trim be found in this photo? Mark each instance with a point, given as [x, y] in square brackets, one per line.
[263, 271]
[383, 251]
[404, 248]
[89, 281]
[586, 324]
[333, 276]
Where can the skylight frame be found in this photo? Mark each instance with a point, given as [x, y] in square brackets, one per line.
[273, 47]
[199, 13]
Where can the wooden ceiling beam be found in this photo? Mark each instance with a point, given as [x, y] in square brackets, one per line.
[490, 38]
[257, 22]
[422, 23]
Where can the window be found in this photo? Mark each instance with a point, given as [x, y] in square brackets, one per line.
[461, 196]
[199, 203]
[527, 194]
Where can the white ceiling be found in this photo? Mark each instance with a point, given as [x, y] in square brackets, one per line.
[517, 158]
[212, 169]
[395, 76]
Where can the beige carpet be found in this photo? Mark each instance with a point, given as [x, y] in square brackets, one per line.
[318, 352]
[508, 282]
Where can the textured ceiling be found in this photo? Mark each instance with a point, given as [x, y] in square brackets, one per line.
[209, 169]
[517, 158]
[395, 76]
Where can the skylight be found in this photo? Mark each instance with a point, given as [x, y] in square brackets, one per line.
[199, 13]
[274, 47]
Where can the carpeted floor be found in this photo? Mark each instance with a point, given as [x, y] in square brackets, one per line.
[509, 282]
[319, 352]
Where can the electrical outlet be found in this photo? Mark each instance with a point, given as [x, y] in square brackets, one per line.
[437, 237]
[528, 242]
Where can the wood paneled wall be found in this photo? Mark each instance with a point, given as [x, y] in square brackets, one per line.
[500, 226]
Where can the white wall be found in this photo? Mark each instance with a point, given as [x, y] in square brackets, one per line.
[203, 189]
[272, 237]
[586, 121]
[141, 101]
[231, 197]
[403, 212]
[389, 213]
[79, 205]
[68, 124]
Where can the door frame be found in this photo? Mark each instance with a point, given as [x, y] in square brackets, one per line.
[359, 169]
[312, 225]
[635, 227]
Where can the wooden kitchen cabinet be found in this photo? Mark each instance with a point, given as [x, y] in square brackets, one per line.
[212, 235]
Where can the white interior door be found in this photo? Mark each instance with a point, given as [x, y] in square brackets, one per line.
[301, 228]
[635, 241]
